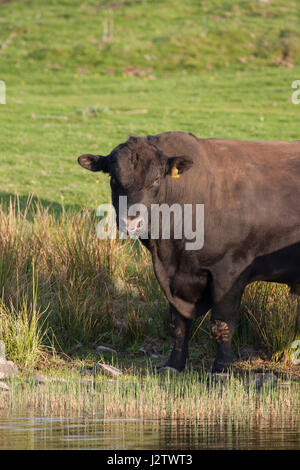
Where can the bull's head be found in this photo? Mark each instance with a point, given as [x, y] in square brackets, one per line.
[140, 171]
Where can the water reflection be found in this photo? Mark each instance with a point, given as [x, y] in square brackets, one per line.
[32, 431]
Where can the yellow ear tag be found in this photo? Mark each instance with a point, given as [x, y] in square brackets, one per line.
[174, 172]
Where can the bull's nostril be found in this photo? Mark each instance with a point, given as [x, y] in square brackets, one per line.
[135, 226]
[140, 225]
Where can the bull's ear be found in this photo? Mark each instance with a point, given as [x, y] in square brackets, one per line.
[178, 165]
[94, 162]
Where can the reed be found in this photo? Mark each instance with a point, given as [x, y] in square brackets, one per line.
[186, 397]
[270, 317]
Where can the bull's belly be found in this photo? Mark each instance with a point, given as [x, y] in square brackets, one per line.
[282, 266]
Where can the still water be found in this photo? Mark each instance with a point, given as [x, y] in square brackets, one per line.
[33, 431]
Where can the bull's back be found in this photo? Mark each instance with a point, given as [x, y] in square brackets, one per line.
[256, 191]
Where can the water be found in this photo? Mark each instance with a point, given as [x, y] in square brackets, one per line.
[32, 431]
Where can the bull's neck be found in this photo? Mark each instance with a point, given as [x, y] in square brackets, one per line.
[187, 191]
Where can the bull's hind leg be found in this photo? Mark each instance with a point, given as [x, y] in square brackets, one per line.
[180, 329]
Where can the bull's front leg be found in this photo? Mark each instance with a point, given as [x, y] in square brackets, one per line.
[222, 332]
[180, 328]
[224, 320]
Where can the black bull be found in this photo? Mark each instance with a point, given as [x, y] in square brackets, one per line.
[251, 196]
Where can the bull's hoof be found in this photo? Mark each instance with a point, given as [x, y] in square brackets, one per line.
[221, 367]
[167, 369]
[218, 380]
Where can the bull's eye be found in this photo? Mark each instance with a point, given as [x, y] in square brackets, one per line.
[113, 181]
[135, 159]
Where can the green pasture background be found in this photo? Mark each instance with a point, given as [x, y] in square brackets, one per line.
[83, 75]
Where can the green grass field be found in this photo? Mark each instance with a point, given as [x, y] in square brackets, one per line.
[215, 68]
[80, 77]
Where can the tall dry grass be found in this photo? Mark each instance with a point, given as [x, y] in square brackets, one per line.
[92, 290]
[270, 318]
[62, 284]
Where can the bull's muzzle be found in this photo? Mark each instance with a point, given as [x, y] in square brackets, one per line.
[135, 226]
